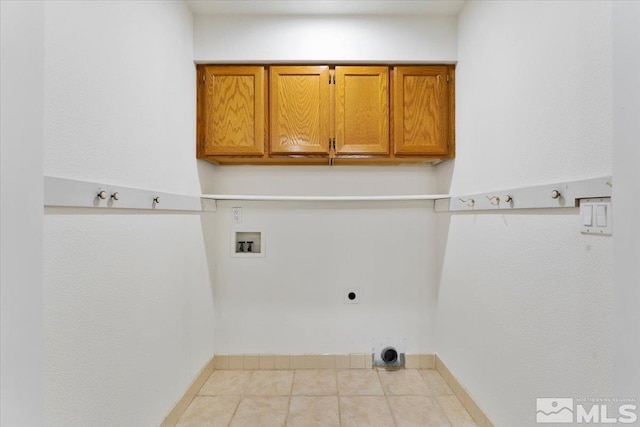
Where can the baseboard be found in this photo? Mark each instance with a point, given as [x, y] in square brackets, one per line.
[181, 406]
[463, 395]
[313, 361]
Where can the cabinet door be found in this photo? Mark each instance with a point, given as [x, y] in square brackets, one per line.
[362, 110]
[299, 102]
[420, 109]
[232, 116]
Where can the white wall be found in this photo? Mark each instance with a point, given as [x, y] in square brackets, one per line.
[525, 300]
[128, 299]
[268, 38]
[626, 155]
[291, 301]
[21, 343]
[120, 94]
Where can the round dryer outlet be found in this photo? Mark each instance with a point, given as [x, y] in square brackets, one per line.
[352, 296]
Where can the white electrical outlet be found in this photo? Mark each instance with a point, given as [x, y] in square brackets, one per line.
[237, 215]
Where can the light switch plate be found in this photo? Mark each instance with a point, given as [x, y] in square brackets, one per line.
[596, 216]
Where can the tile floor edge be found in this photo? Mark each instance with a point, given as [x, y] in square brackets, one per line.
[478, 415]
[183, 403]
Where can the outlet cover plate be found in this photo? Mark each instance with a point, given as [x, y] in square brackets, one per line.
[237, 215]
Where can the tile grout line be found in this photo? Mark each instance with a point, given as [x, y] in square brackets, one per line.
[286, 417]
[338, 397]
[235, 410]
[386, 398]
[435, 396]
[339, 401]
[293, 381]
[242, 396]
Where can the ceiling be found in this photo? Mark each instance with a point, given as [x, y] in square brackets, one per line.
[326, 7]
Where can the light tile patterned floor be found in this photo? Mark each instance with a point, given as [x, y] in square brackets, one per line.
[326, 398]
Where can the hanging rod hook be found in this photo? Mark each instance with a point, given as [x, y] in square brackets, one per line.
[495, 200]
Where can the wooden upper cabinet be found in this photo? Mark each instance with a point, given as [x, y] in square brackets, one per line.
[321, 114]
[421, 110]
[299, 110]
[231, 110]
[362, 110]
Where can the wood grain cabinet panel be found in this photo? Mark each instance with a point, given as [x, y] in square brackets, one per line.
[362, 110]
[421, 110]
[231, 113]
[299, 110]
[321, 114]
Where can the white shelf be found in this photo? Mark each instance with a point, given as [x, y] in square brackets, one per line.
[75, 193]
[64, 192]
[534, 197]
